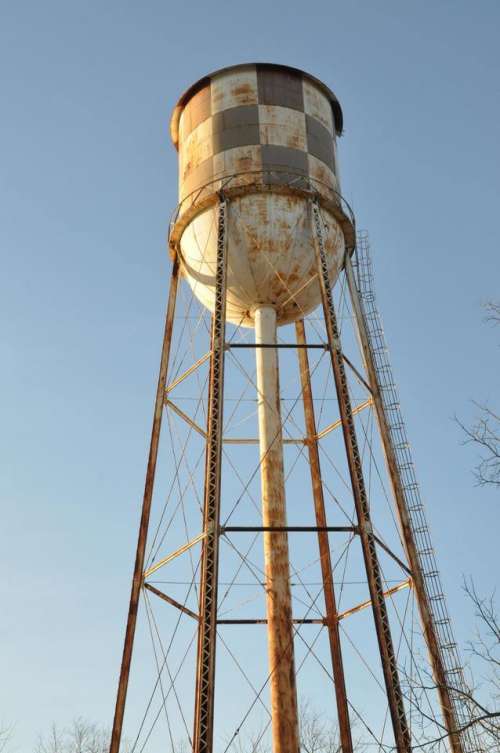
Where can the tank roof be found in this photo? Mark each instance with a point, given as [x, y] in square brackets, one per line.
[205, 80]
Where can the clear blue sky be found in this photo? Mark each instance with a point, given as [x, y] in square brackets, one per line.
[88, 180]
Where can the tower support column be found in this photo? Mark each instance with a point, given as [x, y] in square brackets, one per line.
[277, 566]
[207, 632]
[375, 584]
[324, 544]
[137, 579]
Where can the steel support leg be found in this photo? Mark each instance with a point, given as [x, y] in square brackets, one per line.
[404, 519]
[324, 546]
[375, 585]
[145, 514]
[207, 635]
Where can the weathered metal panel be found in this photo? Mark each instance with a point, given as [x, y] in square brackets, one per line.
[318, 171]
[196, 148]
[273, 108]
[245, 91]
[198, 109]
[319, 141]
[284, 158]
[234, 87]
[271, 256]
[282, 126]
[280, 86]
[317, 105]
[244, 161]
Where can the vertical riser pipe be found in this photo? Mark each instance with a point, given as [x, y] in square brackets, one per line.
[277, 566]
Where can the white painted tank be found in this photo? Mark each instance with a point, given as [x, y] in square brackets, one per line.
[266, 134]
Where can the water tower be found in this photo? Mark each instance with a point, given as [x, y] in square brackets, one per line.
[259, 239]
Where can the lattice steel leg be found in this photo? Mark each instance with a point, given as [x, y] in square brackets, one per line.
[386, 647]
[204, 699]
[145, 515]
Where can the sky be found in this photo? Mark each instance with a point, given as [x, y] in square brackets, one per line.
[88, 182]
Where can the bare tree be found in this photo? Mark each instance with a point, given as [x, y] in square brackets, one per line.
[484, 433]
[80, 737]
[485, 648]
[317, 734]
[481, 701]
[5, 736]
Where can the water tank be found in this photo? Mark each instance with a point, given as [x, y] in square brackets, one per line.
[266, 136]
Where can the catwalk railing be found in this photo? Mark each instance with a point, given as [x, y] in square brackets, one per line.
[458, 687]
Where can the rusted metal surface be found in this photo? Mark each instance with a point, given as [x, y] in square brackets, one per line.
[404, 522]
[368, 602]
[187, 373]
[284, 712]
[288, 529]
[325, 621]
[259, 128]
[173, 555]
[172, 601]
[284, 181]
[207, 634]
[324, 545]
[145, 515]
[239, 84]
[381, 619]
[186, 418]
[305, 621]
[270, 256]
[336, 424]
[389, 551]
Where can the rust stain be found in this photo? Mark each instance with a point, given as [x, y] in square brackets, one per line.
[242, 89]
[295, 141]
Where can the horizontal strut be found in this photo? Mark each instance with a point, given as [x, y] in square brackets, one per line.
[318, 346]
[254, 440]
[322, 346]
[288, 529]
[322, 620]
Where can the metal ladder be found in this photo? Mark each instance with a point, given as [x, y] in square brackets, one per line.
[363, 270]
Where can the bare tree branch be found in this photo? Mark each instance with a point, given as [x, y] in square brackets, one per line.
[482, 703]
[484, 433]
[80, 737]
[492, 309]
[5, 735]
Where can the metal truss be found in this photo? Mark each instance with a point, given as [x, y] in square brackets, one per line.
[205, 677]
[205, 617]
[368, 543]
